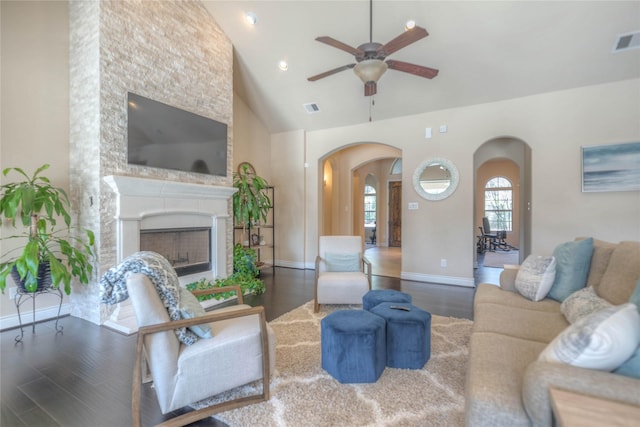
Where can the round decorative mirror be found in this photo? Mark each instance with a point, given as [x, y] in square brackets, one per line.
[435, 179]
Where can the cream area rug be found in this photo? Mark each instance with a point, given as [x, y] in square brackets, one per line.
[303, 394]
[499, 258]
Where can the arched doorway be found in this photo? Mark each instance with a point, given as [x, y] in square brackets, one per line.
[346, 173]
[507, 158]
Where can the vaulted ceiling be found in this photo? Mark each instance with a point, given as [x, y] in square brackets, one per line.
[485, 51]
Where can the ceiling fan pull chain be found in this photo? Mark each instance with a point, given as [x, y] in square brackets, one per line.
[372, 103]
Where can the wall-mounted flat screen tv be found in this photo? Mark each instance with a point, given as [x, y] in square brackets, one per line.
[162, 136]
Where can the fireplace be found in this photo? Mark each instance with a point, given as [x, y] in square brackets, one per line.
[187, 249]
[151, 209]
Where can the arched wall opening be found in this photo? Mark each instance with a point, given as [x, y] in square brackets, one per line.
[343, 175]
[509, 157]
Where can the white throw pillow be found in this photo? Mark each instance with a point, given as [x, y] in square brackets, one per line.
[535, 277]
[602, 340]
[582, 303]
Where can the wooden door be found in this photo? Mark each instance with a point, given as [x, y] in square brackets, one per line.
[395, 213]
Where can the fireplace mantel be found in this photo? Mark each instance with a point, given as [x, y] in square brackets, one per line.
[151, 203]
[146, 187]
[143, 203]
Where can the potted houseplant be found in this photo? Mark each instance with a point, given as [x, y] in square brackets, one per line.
[251, 203]
[245, 274]
[52, 254]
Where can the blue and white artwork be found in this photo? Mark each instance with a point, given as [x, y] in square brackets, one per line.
[614, 167]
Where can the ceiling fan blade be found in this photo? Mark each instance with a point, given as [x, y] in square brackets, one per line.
[339, 45]
[330, 72]
[370, 88]
[417, 70]
[404, 39]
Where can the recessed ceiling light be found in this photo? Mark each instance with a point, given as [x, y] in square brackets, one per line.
[283, 65]
[251, 18]
[409, 25]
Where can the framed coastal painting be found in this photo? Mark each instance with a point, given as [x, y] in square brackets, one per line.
[612, 167]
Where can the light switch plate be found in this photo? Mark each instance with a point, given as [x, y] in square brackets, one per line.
[413, 206]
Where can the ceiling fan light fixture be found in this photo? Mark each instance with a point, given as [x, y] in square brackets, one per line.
[409, 25]
[370, 70]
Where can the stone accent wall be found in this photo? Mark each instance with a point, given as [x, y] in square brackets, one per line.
[169, 51]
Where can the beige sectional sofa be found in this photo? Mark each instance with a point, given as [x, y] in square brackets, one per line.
[506, 385]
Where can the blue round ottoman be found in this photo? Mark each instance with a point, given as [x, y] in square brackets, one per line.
[353, 346]
[408, 334]
[377, 296]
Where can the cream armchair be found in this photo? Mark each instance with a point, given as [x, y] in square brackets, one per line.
[343, 274]
[241, 350]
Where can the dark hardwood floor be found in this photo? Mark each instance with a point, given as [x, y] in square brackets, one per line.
[82, 377]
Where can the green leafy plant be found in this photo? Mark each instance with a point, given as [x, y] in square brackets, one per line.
[37, 205]
[245, 261]
[245, 274]
[251, 203]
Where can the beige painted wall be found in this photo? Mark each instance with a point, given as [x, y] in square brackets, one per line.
[34, 79]
[288, 177]
[554, 125]
[255, 147]
[326, 206]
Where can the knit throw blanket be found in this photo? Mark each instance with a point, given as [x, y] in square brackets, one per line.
[113, 285]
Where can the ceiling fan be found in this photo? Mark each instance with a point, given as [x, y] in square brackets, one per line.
[370, 57]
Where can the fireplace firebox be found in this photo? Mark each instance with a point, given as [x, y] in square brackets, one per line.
[187, 249]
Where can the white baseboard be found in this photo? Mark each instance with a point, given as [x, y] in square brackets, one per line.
[12, 321]
[468, 282]
[293, 264]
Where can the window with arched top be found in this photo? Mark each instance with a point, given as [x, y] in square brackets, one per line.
[370, 202]
[498, 203]
[396, 167]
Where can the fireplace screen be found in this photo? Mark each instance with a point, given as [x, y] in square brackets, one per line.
[187, 249]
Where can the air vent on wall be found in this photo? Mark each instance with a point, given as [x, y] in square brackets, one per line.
[311, 108]
[627, 41]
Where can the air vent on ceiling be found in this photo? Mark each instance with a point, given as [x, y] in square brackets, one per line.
[311, 108]
[627, 41]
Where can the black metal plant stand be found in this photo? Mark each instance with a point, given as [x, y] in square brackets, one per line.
[23, 296]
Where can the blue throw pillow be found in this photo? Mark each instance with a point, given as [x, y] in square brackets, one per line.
[635, 296]
[189, 308]
[573, 260]
[630, 368]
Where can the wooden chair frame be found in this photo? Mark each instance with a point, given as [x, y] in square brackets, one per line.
[199, 414]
